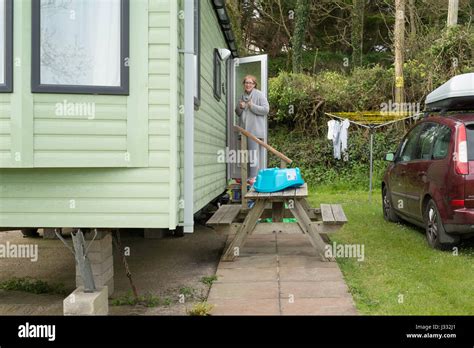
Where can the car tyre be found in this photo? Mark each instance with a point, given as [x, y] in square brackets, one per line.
[388, 211]
[435, 231]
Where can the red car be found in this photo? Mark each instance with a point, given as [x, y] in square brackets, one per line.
[431, 179]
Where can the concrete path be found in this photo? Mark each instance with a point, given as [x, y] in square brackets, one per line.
[279, 274]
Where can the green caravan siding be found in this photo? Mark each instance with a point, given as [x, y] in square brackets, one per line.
[210, 120]
[61, 130]
[105, 197]
[84, 197]
[5, 131]
[163, 100]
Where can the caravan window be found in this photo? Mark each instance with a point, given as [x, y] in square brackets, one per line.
[6, 44]
[80, 46]
[217, 75]
[197, 53]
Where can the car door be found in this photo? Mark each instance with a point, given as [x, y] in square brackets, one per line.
[397, 178]
[417, 177]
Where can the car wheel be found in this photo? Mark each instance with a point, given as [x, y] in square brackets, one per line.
[30, 232]
[435, 232]
[388, 211]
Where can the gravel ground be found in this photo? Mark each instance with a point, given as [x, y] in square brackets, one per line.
[163, 269]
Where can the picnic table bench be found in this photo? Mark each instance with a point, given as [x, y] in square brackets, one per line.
[292, 202]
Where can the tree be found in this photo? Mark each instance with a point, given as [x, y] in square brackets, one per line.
[412, 11]
[453, 13]
[302, 16]
[357, 31]
[399, 49]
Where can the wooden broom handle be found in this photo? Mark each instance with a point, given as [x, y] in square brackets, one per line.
[265, 145]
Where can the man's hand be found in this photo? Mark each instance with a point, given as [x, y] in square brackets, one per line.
[249, 104]
[242, 104]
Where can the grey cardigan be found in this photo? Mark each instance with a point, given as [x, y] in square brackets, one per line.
[253, 119]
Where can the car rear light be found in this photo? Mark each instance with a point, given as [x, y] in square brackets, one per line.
[460, 161]
[457, 203]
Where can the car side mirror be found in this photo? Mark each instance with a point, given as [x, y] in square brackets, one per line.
[390, 157]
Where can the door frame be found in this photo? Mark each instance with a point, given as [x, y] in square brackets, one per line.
[232, 136]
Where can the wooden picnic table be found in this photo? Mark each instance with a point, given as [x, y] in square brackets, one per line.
[293, 199]
[292, 202]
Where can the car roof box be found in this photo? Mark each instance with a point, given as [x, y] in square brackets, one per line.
[456, 94]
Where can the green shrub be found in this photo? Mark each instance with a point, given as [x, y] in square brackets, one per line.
[33, 286]
[209, 280]
[148, 300]
[298, 100]
[201, 309]
[314, 156]
[293, 99]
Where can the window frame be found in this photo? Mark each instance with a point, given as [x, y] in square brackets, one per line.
[418, 149]
[440, 127]
[217, 78]
[7, 86]
[418, 128]
[37, 87]
[197, 52]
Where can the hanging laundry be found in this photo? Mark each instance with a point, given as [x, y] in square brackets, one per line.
[338, 133]
[344, 134]
[331, 129]
[336, 140]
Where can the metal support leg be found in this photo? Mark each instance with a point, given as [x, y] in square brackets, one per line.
[80, 254]
[371, 163]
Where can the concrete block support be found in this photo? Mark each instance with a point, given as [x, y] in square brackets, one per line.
[102, 263]
[156, 233]
[48, 233]
[82, 303]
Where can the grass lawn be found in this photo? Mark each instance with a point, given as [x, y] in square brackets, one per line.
[401, 274]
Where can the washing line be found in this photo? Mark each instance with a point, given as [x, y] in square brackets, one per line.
[372, 129]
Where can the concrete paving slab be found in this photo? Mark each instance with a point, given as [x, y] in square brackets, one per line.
[305, 261]
[312, 289]
[243, 290]
[297, 251]
[239, 275]
[258, 250]
[261, 236]
[246, 307]
[284, 228]
[309, 274]
[251, 262]
[292, 240]
[260, 242]
[305, 285]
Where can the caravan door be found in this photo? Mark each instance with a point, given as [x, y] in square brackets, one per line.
[237, 69]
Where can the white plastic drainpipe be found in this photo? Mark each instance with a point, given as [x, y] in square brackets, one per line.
[189, 80]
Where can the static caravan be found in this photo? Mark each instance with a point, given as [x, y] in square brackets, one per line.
[112, 112]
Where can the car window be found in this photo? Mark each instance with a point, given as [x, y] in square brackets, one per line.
[407, 150]
[470, 141]
[441, 145]
[425, 142]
